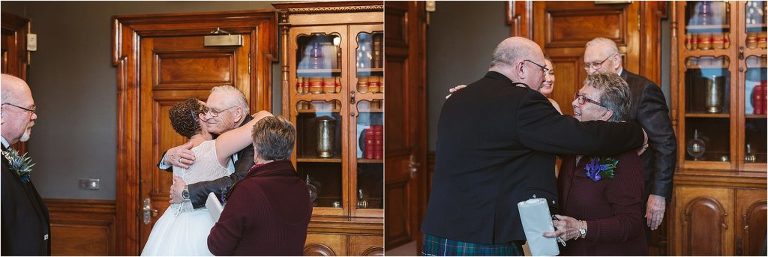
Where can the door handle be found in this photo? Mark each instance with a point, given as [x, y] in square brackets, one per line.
[413, 166]
[148, 211]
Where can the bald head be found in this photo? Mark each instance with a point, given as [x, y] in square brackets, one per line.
[18, 107]
[520, 59]
[601, 55]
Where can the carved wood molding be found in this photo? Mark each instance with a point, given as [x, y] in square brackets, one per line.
[373, 251]
[331, 7]
[371, 226]
[520, 18]
[318, 250]
[714, 205]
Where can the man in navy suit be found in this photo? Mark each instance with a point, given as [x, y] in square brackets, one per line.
[496, 146]
[25, 223]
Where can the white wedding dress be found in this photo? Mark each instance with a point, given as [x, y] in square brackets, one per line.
[183, 230]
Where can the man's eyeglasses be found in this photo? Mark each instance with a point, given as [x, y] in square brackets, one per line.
[31, 109]
[215, 113]
[543, 68]
[597, 65]
[582, 99]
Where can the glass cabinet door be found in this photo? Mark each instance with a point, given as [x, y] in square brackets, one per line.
[319, 150]
[755, 28]
[707, 109]
[367, 100]
[318, 63]
[755, 110]
[707, 25]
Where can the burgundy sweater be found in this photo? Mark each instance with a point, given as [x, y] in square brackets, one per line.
[267, 214]
[611, 207]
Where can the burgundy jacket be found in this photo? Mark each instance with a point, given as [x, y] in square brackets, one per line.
[612, 207]
[267, 214]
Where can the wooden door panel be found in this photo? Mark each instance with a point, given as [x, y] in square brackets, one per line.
[750, 221]
[175, 68]
[405, 122]
[562, 30]
[703, 218]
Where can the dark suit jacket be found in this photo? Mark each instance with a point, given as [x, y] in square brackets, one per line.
[25, 222]
[267, 214]
[496, 146]
[198, 192]
[611, 207]
[650, 110]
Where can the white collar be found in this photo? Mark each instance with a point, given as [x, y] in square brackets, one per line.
[620, 71]
[5, 143]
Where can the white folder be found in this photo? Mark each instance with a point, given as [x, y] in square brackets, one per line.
[214, 206]
[536, 219]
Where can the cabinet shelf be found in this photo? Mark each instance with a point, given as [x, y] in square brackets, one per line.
[370, 70]
[708, 115]
[707, 28]
[711, 52]
[370, 161]
[319, 160]
[756, 116]
[317, 72]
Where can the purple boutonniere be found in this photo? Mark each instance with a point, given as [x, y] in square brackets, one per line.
[597, 168]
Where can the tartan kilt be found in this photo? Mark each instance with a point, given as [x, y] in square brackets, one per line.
[438, 246]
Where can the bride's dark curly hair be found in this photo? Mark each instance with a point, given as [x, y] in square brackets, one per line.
[184, 117]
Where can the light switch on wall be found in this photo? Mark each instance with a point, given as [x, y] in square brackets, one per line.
[90, 183]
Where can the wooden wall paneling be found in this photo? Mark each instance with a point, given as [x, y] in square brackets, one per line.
[519, 17]
[15, 57]
[82, 227]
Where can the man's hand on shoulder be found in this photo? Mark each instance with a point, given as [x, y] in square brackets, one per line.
[180, 156]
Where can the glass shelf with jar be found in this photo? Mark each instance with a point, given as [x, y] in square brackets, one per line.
[707, 87]
[369, 62]
[755, 25]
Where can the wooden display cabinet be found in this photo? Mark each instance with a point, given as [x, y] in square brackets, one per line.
[333, 90]
[718, 102]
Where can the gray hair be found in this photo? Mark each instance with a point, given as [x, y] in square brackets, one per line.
[606, 44]
[273, 138]
[615, 94]
[238, 98]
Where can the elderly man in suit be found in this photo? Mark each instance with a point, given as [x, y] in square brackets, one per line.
[25, 223]
[496, 146]
[649, 109]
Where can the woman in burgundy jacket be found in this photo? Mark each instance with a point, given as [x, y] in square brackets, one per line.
[601, 197]
[269, 210]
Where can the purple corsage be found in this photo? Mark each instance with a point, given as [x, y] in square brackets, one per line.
[597, 168]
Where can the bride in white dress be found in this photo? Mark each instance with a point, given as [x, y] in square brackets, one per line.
[183, 230]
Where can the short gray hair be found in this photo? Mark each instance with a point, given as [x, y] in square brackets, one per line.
[607, 45]
[615, 94]
[273, 138]
[238, 98]
[509, 51]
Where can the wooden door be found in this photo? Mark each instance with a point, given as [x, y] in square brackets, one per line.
[703, 222]
[562, 29]
[162, 60]
[14, 47]
[174, 68]
[405, 122]
[750, 218]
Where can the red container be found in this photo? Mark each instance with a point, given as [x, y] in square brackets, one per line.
[758, 98]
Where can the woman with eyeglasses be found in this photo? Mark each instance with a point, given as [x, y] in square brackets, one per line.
[601, 196]
[183, 230]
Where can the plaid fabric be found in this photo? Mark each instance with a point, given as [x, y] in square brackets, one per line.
[439, 246]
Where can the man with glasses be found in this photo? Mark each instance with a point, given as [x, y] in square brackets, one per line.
[650, 110]
[25, 223]
[497, 140]
[226, 109]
